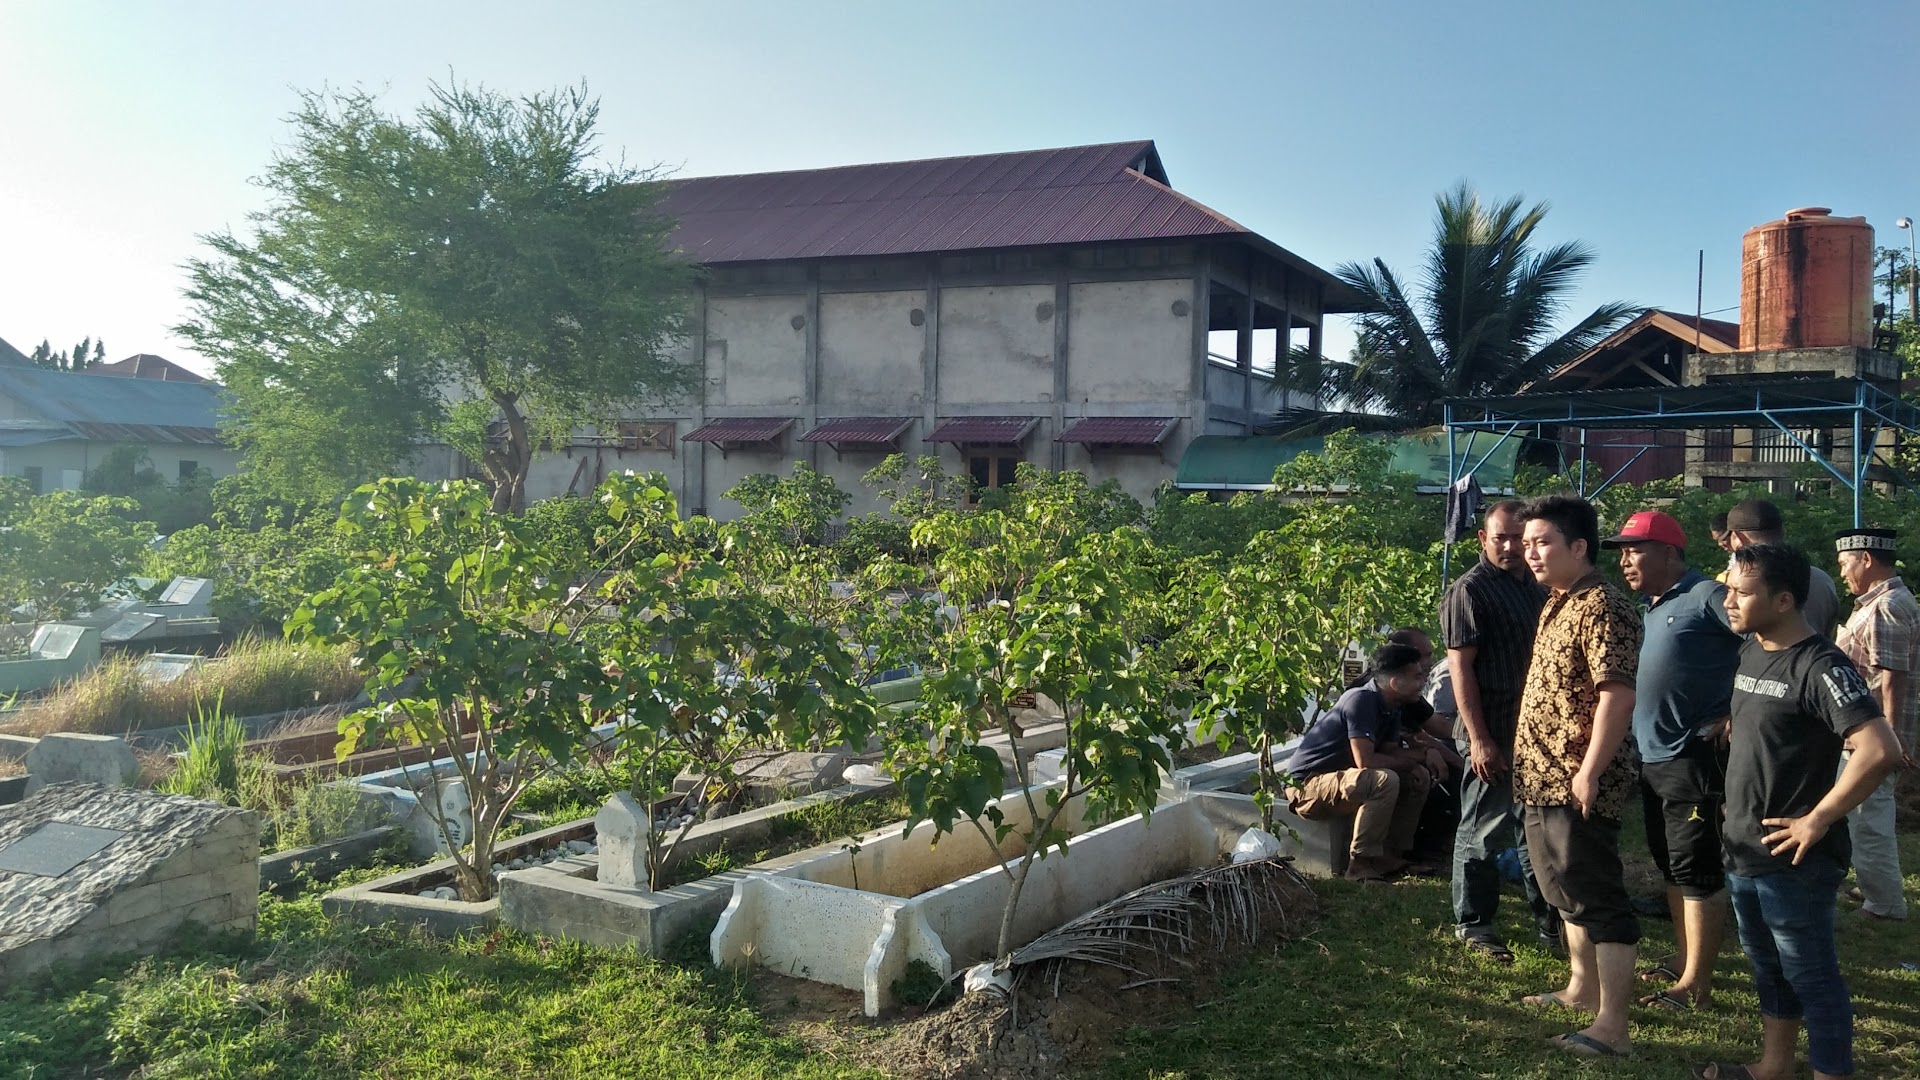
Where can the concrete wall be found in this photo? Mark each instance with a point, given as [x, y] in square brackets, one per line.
[996, 344]
[1127, 345]
[63, 465]
[872, 353]
[755, 353]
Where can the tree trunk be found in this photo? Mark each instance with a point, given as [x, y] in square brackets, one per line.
[506, 467]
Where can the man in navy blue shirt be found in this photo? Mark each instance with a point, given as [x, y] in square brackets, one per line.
[1350, 763]
[1687, 660]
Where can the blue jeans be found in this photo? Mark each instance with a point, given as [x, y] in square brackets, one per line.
[1490, 824]
[1786, 927]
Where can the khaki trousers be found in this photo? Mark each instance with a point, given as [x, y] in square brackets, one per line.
[1385, 805]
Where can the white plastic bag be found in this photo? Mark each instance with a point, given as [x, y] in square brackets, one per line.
[1256, 844]
[981, 978]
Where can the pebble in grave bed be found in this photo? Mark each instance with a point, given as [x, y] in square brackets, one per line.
[541, 858]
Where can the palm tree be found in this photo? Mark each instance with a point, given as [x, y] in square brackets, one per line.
[1483, 322]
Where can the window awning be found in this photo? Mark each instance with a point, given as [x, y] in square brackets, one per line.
[740, 429]
[1119, 430]
[860, 430]
[984, 430]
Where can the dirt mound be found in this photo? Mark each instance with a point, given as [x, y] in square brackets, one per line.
[1070, 1013]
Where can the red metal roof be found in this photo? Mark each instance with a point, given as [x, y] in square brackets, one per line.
[983, 430]
[740, 429]
[868, 430]
[1072, 195]
[1119, 430]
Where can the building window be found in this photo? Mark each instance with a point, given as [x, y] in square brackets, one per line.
[991, 469]
[188, 468]
[36, 479]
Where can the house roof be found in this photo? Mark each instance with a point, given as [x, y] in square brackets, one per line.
[984, 430]
[148, 366]
[1029, 198]
[1119, 430]
[11, 355]
[740, 429]
[118, 409]
[1599, 362]
[862, 430]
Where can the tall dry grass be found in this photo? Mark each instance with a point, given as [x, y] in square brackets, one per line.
[255, 676]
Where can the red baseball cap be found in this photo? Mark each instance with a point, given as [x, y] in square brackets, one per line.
[1648, 525]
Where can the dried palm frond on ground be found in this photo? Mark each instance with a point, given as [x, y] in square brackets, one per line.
[1157, 951]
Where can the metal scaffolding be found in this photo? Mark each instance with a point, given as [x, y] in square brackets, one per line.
[1863, 407]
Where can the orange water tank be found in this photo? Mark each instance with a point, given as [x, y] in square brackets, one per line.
[1806, 281]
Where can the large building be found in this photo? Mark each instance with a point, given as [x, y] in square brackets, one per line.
[1061, 307]
[56, 426]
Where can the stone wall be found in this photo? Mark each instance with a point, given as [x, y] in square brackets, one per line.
[87, 870]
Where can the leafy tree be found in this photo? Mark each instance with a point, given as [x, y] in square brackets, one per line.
[706, 665]
[264, 554]
[1047, 604]
[477, 249]
[128, 470]
[61, 550]
[458, 620]
[1481, 321]
[88, 354]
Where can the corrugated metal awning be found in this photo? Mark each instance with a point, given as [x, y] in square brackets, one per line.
[740, 429]
[33, 438]
[984, 430]
[1120, 430]
[860, 430]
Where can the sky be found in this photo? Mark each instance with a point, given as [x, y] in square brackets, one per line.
[1655, 130]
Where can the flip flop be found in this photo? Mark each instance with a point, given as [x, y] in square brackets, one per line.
[1573, 1042]
[1545, 1000]
[1667, 1000]
[1660, 973]
[1722, 1071]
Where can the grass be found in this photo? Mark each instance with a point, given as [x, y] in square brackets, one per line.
[1382, 988]
[310, 998]
[255, 676]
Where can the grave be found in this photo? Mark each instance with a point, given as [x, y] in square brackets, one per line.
[58, 652]
[88, 870]
[90, 759]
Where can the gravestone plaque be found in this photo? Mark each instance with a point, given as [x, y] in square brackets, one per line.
[55, 848]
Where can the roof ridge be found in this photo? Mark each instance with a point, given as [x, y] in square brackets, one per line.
[1144, 144]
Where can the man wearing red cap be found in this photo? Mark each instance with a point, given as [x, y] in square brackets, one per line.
[1688, 657]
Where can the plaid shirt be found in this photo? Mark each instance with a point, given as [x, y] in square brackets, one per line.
[1883, 635]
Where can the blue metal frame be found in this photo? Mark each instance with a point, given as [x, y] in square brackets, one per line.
[1868, 402]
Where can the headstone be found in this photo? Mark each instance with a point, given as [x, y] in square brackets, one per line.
[64, 641]
[794, 773]
[86, 870]
[92, 759]
[135, 626]
[161, 667]
[191, 595]
[456, 809]
[621, 829]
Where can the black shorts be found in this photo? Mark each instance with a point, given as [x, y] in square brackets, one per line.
[1683, 799]
[1576, 860]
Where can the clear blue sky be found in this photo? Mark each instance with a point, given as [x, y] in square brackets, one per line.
[1654, 129]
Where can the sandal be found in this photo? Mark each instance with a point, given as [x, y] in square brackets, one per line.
[1662, 972]
[1490, 947]
[1666, 999]
[1573, 1042]
[1722, 1071]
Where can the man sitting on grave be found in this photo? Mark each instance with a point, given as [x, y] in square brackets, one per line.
[1350, 763]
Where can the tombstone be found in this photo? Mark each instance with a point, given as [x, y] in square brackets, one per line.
[86, 870]
[135, 626]
[188, 598]
[457, 811]
[162, 667]
[621, 828]
[105, 760]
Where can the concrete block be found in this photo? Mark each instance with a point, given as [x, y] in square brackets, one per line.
[134, 905]
[16, 747]
[92, 759]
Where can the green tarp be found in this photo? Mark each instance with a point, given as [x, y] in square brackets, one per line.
[1246, 462]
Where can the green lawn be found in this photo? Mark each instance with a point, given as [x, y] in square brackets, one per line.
[1380, 988]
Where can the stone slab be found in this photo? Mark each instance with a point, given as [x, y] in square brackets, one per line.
[55, 848]
[89, 759]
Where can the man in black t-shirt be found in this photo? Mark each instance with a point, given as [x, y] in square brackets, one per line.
[1350, 763]
[1796, 700]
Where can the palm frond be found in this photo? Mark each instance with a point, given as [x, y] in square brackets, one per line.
[1219, 907]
